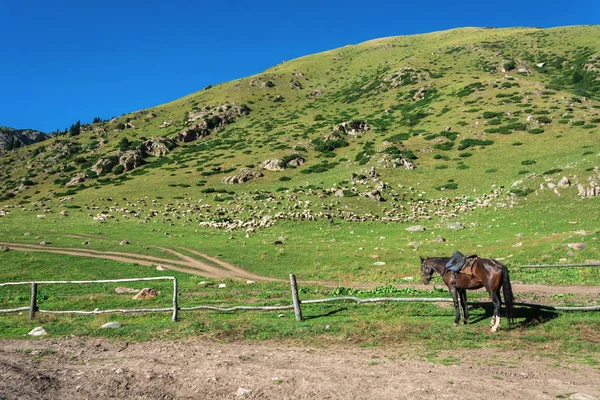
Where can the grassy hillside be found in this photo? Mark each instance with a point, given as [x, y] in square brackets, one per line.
[471, 125]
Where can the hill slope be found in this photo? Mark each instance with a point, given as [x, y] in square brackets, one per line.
[14, 138]
[401, 129]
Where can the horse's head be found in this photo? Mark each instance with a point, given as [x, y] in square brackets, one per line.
[426, 270]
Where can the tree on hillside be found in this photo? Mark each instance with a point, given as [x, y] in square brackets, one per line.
[75, 129]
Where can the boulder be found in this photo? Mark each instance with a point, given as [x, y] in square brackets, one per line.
[111, 325]
[564, 182]
[157, 146]
[38, 331]
[272, 165]
[439, 239]
[415, 228]
[244, 176]
[455, 225]
[77, 179]
[352, 127]
[130, 159]
[146, 293]
[104, 165]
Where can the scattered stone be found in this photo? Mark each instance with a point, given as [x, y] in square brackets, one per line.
[146, 293]
[439, 239]
[413, 244]
[518, 244]
[249, 282]
[455, 225]
[45, 243]
[277, 242]
[124, 243]
[408, 278]
[121, 290]
[379, 263]
[111, 325]
[576, 246]
[161, 268]
[416, 228]
[564, 182]
[86, 242]
[4, 249]
[222, 285]
[39, 331]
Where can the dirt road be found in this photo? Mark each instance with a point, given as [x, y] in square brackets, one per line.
[80, 368]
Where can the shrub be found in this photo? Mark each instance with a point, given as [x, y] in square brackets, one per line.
[444, 146]
[466, 143]
[528, 162]
[491, 170]
[536, 131]
[465, 154]
[517, 143]
[285, 178]
[544, 119]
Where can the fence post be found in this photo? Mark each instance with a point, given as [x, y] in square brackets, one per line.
[33, 303]
[175, 308]
[295, 299]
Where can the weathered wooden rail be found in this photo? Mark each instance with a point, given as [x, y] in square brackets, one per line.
[296, 302]
[33, 308]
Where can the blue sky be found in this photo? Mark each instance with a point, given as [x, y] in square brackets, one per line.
[70, 60]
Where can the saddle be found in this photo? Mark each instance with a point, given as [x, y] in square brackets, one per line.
[458, 261]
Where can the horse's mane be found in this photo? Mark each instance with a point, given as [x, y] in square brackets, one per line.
[437, 258]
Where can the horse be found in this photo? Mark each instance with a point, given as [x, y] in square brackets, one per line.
[484, 272]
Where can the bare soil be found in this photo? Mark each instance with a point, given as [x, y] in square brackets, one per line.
[80, 368]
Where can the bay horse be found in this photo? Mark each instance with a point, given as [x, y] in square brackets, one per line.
[481, 272]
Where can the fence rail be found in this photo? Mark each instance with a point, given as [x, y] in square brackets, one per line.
[296, 302]
[33, 308]
[558, 265]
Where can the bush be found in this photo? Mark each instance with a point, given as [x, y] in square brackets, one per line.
[536, 131]
[544, 119]
[465, 154]
[528, 162]
[466, 143]
[444, 146]
[285, 178]
[118, 169]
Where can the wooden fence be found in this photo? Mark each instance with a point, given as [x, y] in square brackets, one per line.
[296, 302]
[33, 308]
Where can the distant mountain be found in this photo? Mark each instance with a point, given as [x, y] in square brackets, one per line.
[11, 138]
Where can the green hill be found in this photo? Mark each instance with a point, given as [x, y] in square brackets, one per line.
[470, 125]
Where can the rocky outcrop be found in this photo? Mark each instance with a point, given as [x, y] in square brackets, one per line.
[352, 127]
[157, 146]
[104, 165]
[77, 179]
[272, 165]
[14, 138]
[210, 119]
[244, 176]
[131, 159]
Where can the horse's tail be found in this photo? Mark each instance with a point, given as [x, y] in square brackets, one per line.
[508, 295]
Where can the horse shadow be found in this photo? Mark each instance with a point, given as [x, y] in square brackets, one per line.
[526, 315]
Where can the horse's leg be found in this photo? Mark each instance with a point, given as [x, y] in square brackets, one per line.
[463, 302]
[495, 296]
[454, 293]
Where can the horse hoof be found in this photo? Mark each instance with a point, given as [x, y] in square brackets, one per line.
[494, 329]
[465, 322]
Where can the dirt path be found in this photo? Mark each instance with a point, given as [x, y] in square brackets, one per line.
[200, 369]
[199, 266]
